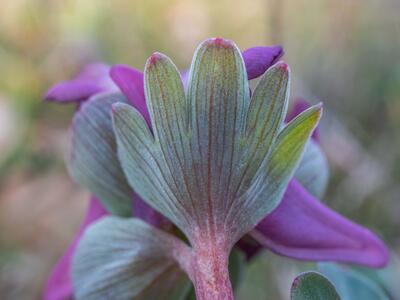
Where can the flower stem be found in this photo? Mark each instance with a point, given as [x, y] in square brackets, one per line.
[209, 271]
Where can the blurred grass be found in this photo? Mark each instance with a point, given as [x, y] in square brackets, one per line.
[344, 53]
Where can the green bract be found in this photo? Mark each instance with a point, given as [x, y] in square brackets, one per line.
[216, 161]
[92, 160]
[130, 259]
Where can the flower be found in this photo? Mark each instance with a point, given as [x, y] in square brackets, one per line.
[300, 226]
[59, 283]
[92, 80]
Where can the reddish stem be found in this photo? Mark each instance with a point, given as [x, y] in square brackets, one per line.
[209, 269]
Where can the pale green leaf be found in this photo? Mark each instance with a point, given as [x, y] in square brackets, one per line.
[259, 280]
[313, 286]
[266, 113]
[169, 117]
[386, 277]
[313, 170]
[172, 284]
[145, 166]
[276, 170]
[92, 159]
[127, 259]
[217, 162]
[218, 95]
[237, 263]
[186, 173]
[351, 284]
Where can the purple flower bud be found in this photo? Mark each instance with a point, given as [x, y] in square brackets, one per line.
[93, 79]
[259, 59]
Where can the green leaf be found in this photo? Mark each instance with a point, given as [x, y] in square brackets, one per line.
[237, 262]
[121, 258]
[169, 117]
[386, 277]
[313, 170]
[313, 286]
[145, 166]
[259, 280]
[218, 94]
[264, 119]
[172, 284]
[277, 169]
[351, 284]
[166, 100]
[92, 159]
[191, 295]
[266, 113]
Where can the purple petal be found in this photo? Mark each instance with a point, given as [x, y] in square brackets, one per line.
[303, 228]
[58, 286]
[93, 79]
[130, 82]
[298, 107]
[71, 91]
[259, 59]
[143, 211]
[185, 77]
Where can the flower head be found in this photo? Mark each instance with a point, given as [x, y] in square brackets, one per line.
[209, 158]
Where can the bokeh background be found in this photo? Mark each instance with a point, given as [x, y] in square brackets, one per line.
[345, 53]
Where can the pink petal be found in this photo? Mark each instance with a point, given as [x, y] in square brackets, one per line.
[259, 59]
[130, 82]
[91, 80]
[58, 286]
[301, 227]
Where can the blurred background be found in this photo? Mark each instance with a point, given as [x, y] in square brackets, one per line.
[344, 53]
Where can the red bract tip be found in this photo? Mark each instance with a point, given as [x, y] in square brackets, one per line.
[113, 108]
[283, 66]
[218, 41]
[154, 58]
[296, 282]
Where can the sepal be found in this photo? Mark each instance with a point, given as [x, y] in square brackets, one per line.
[92, 158]
[128, 259]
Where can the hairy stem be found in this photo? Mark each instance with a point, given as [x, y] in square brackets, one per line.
[209, 269]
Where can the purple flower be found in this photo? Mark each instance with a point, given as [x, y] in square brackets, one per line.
[300, 227]
[259, 59]
[92, 80]
[58, 285]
